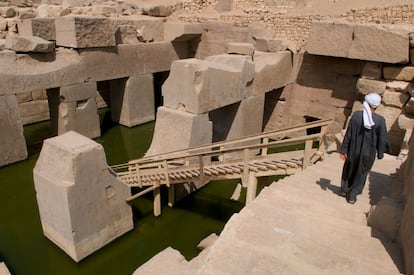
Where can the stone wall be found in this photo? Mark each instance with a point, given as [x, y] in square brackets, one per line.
[401, 14]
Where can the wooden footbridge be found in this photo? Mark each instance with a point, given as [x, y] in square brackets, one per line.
[244, 158]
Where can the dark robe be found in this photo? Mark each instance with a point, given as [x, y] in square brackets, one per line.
[362, 146]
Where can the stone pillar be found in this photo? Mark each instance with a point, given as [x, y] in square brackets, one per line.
[132, 100]
[81, 203]
[13, 144]
[73, 108]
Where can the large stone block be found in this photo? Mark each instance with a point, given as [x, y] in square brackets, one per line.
[34, 111]
[177, 129]
[24, 73]
[132, 100]
[84, 32]
[373, 42]
[29, 44]
[182, 31]
[81, 203]
[405, 73]
[200, 86]
[147, 28]
[395, 99]
[13, 144]
[366, 86]
[73, 108]
[240, 48]
[40, 27]
[273, 71]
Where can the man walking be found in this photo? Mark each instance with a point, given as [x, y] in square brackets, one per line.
[365, 138]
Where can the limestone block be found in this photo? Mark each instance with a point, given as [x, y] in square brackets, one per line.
[405, 73]
[73, 108]
[240, 48]
[207, 241]
[39, 94]
[395, 99]
[273, 71]
[405, 122]
[400, 86]
[409, 107]
[84, 32]
[81, 203]
[34, 111]
[66, 67]
[126, 34]
[372, 70]
[26, 15]
[158, 10]
[24, 97]
[274, 45]
[373, 42]
[395, 133]
[183, 130]
[182, 31]
[12, 26]
[45, 10]
[259, 30]
[72, 3]
[3, 25]
[41, 27]
[13, 144]
[204, 85]
[132, 100]
[168, 261]
[386, 217]
[103, 10]
[148, 29]
[366, 86]
[29, 44]
[7, 12]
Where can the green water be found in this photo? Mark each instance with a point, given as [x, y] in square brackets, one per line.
[25, 250]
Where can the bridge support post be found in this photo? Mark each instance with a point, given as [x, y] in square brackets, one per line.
[171, 195]
[251, 188]
[157, 202]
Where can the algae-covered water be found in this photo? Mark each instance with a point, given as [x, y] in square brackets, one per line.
[25, 249]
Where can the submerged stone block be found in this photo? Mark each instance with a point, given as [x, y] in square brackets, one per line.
[373, 42]
[13, 144]
[73, 108]
[81, 203]
[177, 129]
[84, 32]
[200, 86]
[132, 100]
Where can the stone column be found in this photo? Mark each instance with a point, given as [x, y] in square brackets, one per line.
[73, 108]
[81, 203]
[13, 144]
[132, 100]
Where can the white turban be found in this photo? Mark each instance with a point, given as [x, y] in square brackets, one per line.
[370, 100]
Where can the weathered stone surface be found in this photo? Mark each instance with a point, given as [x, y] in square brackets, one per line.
[274, 45]
[26, 15]
[24, 97]
[158, 10]
[366, 86]
[373, 42]
[207, 241]
[400, 86]
[81, 203]
[39, 94]
[73, 108]
[181, 31]
[45, 10]
[395, 134]
[12, 26]
[29, 44]
[412, 55]
[409, 107]
[148, 29]
[132, 100]
[405, 122]
[13, 144]
[7, 12]
[172, 263]
[372, 70]
[72, 3]
[84, 32]
[41, 27]
[240, 48]
[67, 67]
[386, 217]
[34, 111]
[126, 34]
[183, 130]
[204, 85]
[395, 99]
[405, 73]
[103, 10]
[273, 71]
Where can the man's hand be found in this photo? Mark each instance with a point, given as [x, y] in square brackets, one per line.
[344, 156]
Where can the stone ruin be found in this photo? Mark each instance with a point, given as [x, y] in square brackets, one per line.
[62, 61]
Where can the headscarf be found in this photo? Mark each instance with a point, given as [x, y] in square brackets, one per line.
[370, 100]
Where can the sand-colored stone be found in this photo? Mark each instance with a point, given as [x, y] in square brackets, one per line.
[40, 27]
[34, 111]
[240, 48]
[29, 44]
[404, 73]
[366, 86]
[81, 203]
[181, 31]
[147, 28]
[395, 99]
